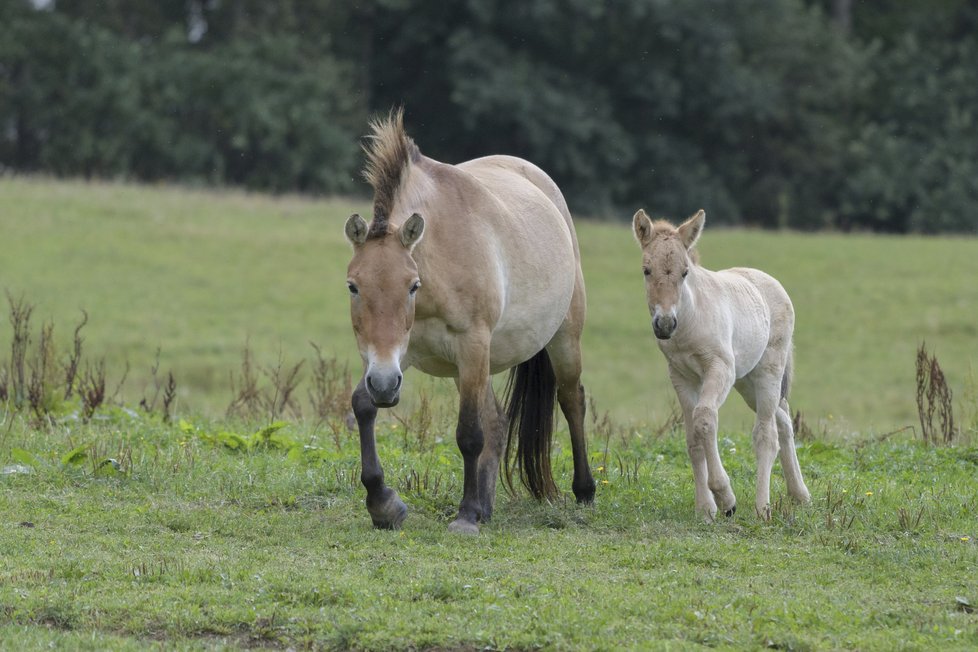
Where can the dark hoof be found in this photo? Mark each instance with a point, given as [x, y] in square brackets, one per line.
[585, 493]
[730, 512]
[390, 513]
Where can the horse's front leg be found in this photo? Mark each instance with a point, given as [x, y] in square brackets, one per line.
[717, 383]
[688, 396]
[386, 508]
[472, 381]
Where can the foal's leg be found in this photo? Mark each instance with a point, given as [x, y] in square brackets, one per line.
[565, 357]
[387, 510]
[494, 431]
[789, 458]
[705, 503]
[473, 376]
[766, 380]
[717, 382]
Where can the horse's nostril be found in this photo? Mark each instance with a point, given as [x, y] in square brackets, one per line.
[370, 383]
[400, 377]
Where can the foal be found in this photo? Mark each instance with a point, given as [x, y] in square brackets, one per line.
[722, 330]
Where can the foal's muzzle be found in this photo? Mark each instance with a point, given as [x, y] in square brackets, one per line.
[664, 325]
[384, 386]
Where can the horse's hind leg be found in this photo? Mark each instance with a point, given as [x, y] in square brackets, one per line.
[789, 458]
[767, 395]
[494, 435]
[565, 357]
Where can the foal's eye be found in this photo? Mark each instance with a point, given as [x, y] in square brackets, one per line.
[354, 291]
[685, 272]
[414, 287]
[647, 271]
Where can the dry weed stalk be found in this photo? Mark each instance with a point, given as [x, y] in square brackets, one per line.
[20, 320]
[329, 396]
[255, 402]
[74, 359]
[934, 399]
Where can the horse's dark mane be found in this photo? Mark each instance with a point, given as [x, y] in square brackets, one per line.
[390, 153]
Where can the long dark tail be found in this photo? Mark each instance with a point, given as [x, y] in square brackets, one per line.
[530, 399]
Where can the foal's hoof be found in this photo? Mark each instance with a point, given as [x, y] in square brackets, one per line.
[730, 512]
[390, 513]
[461, 526]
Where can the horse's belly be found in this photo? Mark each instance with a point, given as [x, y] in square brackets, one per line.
[531, 317]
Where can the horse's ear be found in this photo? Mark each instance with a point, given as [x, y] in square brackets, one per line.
[642, 225]
[412, 230]
[691, 229]
[356, 230]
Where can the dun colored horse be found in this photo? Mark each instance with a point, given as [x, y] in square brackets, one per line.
[718, 331]
[465, 271]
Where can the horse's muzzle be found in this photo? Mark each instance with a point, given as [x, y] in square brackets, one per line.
[664, 326]
[384, 388]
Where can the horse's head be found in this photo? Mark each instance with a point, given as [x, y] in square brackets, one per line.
[666, 260]
[383, 281]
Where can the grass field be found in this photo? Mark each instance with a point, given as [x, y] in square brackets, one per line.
[200, 534]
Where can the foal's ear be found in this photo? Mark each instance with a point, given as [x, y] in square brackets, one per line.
[412, 230]
[691, 229]
[356, 230]
[642, 225]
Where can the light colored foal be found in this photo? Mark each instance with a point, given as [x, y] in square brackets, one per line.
[718, 331]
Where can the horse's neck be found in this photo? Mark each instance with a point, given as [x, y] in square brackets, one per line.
[693, 290]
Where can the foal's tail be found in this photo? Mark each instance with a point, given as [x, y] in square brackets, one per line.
[531, 392]
[789, 371]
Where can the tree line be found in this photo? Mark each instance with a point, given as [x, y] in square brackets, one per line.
[808, 114]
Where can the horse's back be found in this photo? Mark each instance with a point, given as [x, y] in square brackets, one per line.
[506, 172]
[774, 305]
[506, 256]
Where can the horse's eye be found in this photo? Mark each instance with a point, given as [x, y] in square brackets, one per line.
[414, 287]
[647, 271]
[353, 288]
[685, 272]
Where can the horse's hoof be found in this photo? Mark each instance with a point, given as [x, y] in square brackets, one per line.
[585, 494]
[390, 514]
[730, 512]
[709, 515]
[763, 512]
[802, 497]
[463, 527]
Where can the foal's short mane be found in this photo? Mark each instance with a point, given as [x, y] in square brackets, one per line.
[664, 227]
[390, 153]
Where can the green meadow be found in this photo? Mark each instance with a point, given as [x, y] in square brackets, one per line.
[199, 274]
[131, 530]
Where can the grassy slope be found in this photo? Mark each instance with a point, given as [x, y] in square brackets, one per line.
[197, 273]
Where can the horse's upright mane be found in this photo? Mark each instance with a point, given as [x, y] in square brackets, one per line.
[390, 153]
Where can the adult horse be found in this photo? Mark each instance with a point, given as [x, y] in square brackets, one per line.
[465, 271]
[719, 331]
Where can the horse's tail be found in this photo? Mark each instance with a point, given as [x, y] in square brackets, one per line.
[789, 370]
[530, 396]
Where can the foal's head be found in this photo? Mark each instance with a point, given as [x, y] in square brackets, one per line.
[383, 281]
[666, 260]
